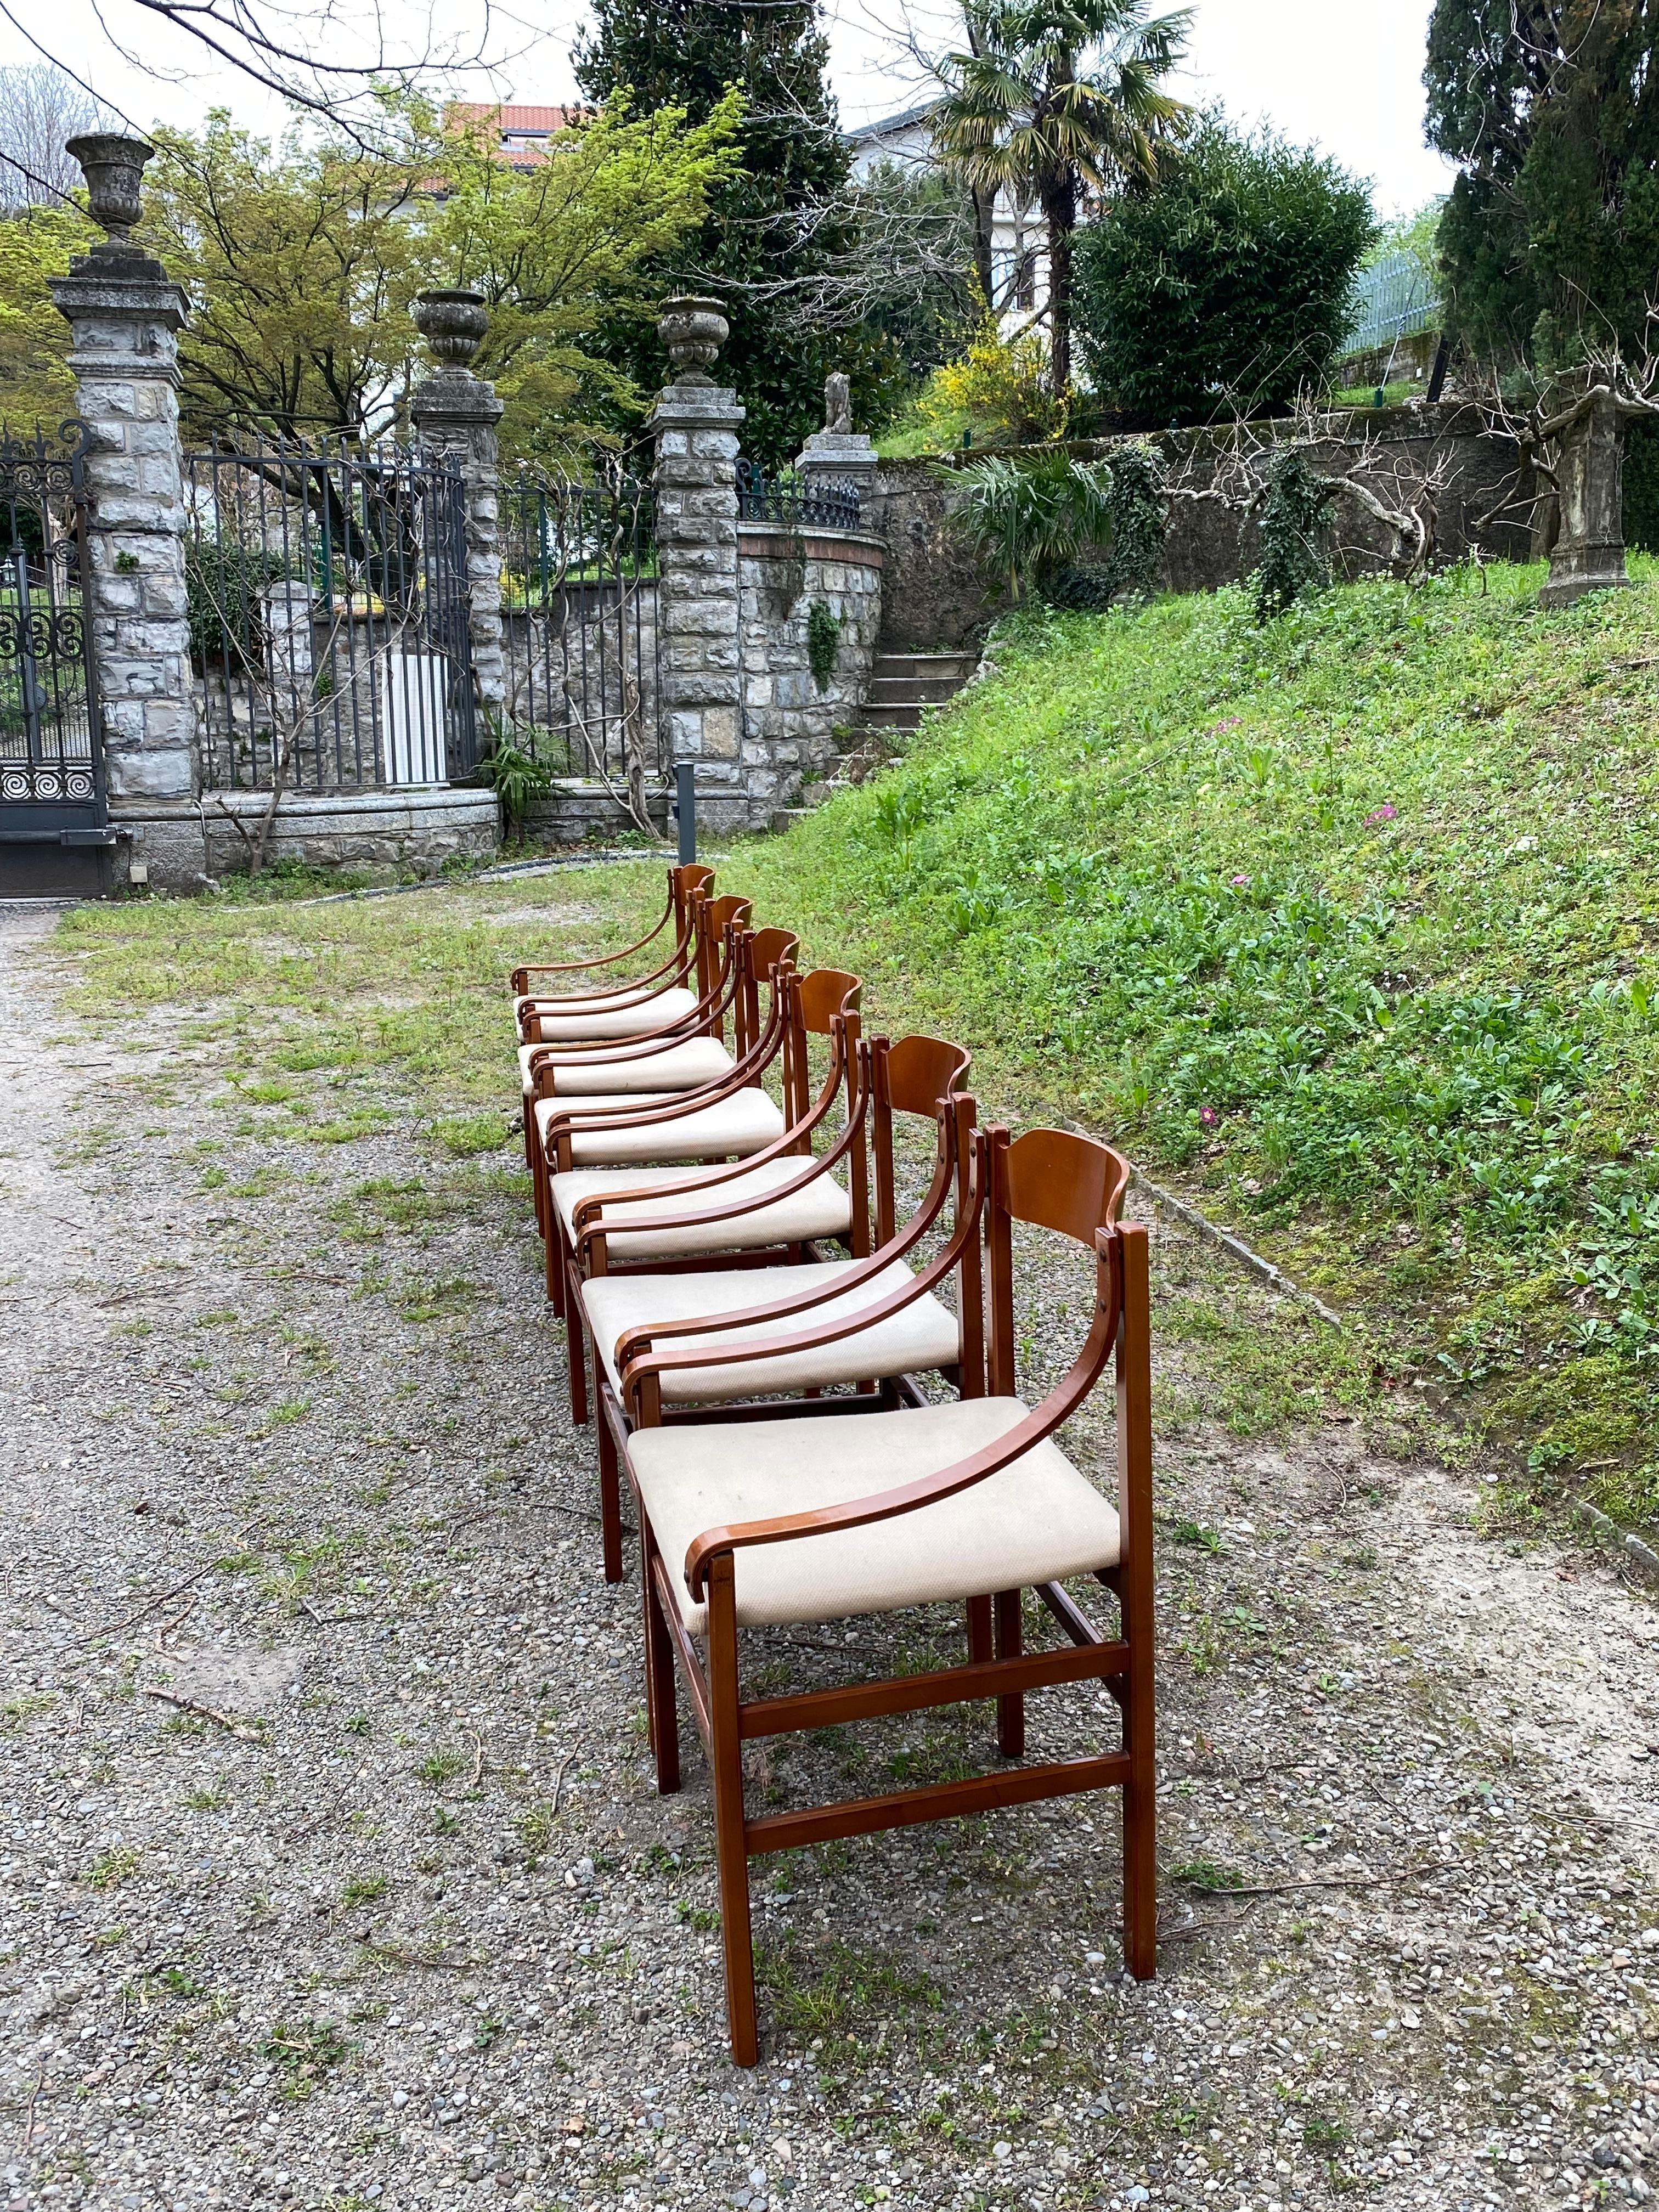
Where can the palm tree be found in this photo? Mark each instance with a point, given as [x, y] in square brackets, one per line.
[1053, 97]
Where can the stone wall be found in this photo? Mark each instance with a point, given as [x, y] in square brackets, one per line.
[935, 597]
[788, 723]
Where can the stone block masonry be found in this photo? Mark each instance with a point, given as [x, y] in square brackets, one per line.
[789, 721]
[695, 426]
[125, 316]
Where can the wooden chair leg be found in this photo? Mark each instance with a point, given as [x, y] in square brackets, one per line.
[553, 1251]
[610, 1497]
[731, 1842]
[532, 1163]
[575, 1333]
[1140, 1865]
[1010, 1710]
[979, 1629]
[661, 1707]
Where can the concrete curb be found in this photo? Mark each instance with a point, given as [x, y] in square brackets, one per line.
[1223, 1239]
[1642, 1557]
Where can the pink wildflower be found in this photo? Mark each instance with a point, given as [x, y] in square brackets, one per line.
[1232, 722]
[1207, 1117]
[1386, 812]
[1238, 882]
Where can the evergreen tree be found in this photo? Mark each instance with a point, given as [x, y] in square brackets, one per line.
[1550, 240]
[772, 226]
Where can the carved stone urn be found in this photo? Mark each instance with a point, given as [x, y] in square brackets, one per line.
[453, 325]
[113, 167]
[693, 328]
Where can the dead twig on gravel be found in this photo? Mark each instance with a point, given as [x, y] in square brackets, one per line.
[28, 2116]
[558, 1784]
[93, 1635]
[477, 1774]
[1322, 1881]
[227, 1721]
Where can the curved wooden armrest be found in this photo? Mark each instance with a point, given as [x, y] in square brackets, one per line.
[643, 988]
[927, 1490]
[518, 982]
[726, 1085]
[637, 1340]
[672, 972]
[830, 1332]
[712, 1007]
[715, 1002]
[587, 1226]
[734, 1079]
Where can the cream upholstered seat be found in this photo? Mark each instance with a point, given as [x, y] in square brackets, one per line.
[821, 1208]
[744, 1122]
[923, 1334]
[1038, 1521]
[677, 1068]
[572, 1025]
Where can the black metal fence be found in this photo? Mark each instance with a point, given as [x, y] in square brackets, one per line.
[51, 762]
[795, 501]
[580, 626]
[327, 586]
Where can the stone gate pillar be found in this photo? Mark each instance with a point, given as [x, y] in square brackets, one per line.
[695, 424]
[125, 316]
[456, 412]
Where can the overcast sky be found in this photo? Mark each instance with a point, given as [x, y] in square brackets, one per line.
[1347, 81]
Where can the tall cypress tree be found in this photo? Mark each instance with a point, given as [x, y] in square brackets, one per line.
[766, 232]
[1550, 109]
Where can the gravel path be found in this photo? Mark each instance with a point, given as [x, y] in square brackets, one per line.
[331, 1874]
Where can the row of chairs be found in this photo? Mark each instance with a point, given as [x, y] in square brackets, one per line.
[814, 1402]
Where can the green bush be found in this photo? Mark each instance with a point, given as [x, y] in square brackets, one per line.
[223, 606]
[823, 641]
[1222, 287]
[1140, 523]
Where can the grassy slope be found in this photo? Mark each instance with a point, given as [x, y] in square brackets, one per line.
[1349, 923]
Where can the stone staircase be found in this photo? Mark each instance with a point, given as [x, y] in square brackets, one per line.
[903, 683]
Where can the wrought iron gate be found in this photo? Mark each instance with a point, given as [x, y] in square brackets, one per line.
[580, 627]
[54, 832]
[328, 605]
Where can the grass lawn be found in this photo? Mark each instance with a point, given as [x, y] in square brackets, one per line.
[1349, 924]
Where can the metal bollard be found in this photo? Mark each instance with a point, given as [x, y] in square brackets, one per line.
[685, 809]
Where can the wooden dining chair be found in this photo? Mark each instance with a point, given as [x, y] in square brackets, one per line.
[667, 1344]
[682, 1034]
[659, 1341]
[541, 978]
[778, 1524]
[573, 1091]
[679, 1001]
[773, 1204]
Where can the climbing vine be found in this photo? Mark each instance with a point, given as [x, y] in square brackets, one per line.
[823, 642]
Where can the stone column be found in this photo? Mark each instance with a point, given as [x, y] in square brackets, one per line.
[456, 412]
[125, 316]
[695, 424]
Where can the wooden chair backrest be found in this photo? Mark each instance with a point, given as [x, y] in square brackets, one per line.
[711, 918]
[1056, 1180]
[762, 951]
[814, 1003]
[1053, 1179]
[922, 1070]
[683, 884]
